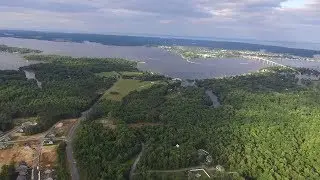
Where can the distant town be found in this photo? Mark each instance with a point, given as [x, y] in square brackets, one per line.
[190, 53]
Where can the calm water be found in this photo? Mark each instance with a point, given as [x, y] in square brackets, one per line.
[32, 75]
[156, 60]
[297, 63]
[12, 61]
[213, 98]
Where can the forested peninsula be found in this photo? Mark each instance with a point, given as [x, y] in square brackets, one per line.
[267, 126]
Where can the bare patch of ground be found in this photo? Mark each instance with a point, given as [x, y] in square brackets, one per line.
[18, 152]
[107, 123]
[48, 157]
[21, 136]
[62, 128]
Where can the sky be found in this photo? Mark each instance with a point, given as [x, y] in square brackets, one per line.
[284, 20]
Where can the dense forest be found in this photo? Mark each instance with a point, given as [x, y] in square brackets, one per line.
[4, 48]
[267, 128]
[69, 86]
[105, 153]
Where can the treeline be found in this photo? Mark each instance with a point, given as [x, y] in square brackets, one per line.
[8, 172]
[142, 105]
[69, 86]
[4, 48]
[62, 168]
[94, 65]
[307, 71]
[144, 76]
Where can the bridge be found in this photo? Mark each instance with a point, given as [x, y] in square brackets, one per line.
[266, 61]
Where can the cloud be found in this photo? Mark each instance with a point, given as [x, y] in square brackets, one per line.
[262, 19]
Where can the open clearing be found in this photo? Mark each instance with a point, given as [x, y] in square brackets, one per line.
[123, 87]
[48, 156]
[17, 153]
[62, 128]
[19, 121]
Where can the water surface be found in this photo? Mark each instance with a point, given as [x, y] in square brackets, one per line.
[155, 59]
[32, 75]
[12, 61]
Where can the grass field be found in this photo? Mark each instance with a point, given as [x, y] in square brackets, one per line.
[124, 86]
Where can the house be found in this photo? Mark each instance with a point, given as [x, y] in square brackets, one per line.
[48, 142]
[220, 168]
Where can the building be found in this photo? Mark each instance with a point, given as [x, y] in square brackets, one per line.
[48, 142]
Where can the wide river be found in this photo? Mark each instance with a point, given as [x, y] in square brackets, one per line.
[156, 60]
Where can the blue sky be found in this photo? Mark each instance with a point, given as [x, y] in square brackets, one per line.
[292, 20]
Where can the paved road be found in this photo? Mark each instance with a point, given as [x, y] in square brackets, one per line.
[134, 166]
[69, 149]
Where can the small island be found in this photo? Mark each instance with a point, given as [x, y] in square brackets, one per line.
[17, 50]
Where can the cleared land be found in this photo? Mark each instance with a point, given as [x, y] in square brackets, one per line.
[48, 156]
[61, 129]
[17, 153]
[123, 87]
[19, 121]
[25, 147]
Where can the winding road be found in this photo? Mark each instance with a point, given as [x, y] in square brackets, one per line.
[74, 172]
[134, 166]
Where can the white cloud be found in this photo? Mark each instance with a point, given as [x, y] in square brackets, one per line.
[264, 19]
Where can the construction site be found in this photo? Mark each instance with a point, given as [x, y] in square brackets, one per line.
[34, 156]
